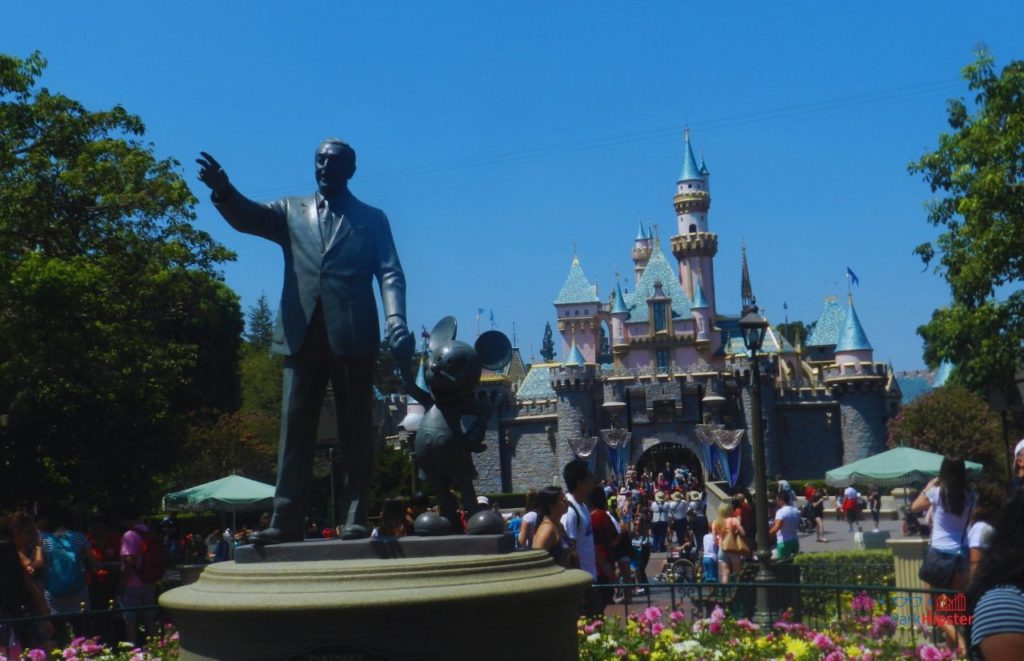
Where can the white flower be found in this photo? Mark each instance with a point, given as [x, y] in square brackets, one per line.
[687, 647]
[594, 637]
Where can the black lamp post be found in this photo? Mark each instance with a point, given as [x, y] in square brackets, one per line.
[754, 328]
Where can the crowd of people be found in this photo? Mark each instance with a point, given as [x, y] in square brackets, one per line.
[609, 529]
[48, 568]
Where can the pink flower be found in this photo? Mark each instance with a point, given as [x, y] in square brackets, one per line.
[621, 652]
[37, 655]
[718, 614]
[698, 626]
[657, 628]
[77, 642]
[644, 650]
[715, 627]
[675, 616]
[929, 653]
[863, 602]
[822, 642]
[653, 613]
[588, 629]
[597, 624]
[747, 625]
[71, 654]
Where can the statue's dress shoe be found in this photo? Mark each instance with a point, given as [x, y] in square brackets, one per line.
[355, 531]
[273, 536]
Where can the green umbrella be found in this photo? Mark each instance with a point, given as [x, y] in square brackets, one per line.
[233, 493]
[898, 467]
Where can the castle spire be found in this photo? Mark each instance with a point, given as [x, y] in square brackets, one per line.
[690, 169]
[746, 291]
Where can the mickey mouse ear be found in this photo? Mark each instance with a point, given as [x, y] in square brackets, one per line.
[494, 348]
[443, 333]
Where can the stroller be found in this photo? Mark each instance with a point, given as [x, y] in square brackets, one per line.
[806, 524]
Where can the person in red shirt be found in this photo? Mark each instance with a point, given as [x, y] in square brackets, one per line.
[606, 540]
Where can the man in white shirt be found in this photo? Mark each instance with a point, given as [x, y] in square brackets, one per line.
[578, 483]
[787, 522]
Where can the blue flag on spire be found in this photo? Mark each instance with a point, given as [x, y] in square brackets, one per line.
[852, 276]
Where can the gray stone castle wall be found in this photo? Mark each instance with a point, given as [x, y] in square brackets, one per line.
[864, 416]
[809, 438]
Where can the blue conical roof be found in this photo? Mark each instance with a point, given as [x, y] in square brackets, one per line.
[421, 378]
[641, 234]
[575, 356]
[690, 169]
[619, 301]
[699, 302]
[826, 329]
[577, 289]
[703, 167]
[852, 336]
[658, 270]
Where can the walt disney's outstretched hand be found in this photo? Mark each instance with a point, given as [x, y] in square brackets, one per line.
[212, 174]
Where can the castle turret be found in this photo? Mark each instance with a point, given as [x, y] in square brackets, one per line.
[852, 346]
[859, 384]
[694, 246]
[701, 321]
[578, 308]
[619, 313]
[641, 252]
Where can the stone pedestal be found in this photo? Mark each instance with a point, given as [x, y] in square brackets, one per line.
[907, 555]
[459, 597]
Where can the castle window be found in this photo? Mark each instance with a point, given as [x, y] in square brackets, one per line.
[660, 317]
[661, 360]
[693, 228]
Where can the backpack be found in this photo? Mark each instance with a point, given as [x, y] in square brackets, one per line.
[64, 573]
[154, 558]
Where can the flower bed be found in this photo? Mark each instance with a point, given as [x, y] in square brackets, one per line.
[156, 649]
[656, 636]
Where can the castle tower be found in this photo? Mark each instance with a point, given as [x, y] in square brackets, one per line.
[701, 321]
[852, 346]
[578, 309]
[694, 246]
[859, 385]
[619, 313]
[641, 252]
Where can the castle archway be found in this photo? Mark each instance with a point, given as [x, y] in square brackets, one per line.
[673, 454]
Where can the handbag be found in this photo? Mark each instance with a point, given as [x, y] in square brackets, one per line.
[939, 568]
[733, 542]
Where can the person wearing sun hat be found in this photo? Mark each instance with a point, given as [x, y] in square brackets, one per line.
[659, 521]
[679, 523]
[1018, 466]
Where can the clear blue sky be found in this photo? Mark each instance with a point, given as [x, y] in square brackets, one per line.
[494, 134]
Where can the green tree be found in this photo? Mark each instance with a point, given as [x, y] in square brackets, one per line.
[261, 324]
[116, 332]
[977, 173]
[951, 421]
[604, 351]
[547, 345]
[795, 331]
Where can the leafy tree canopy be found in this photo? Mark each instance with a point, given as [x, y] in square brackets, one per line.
[116, 331]
[978, 173]
[951, 421]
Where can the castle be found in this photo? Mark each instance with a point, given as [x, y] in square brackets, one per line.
[677, 386]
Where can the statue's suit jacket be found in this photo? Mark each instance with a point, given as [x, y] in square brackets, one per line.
[337, 276]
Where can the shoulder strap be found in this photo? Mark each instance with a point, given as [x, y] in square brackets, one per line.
[578, 513]
[967, 518]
